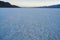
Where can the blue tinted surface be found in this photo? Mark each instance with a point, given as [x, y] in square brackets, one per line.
[29, 24]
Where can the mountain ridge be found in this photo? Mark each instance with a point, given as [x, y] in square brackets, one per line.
[51, 6]
[7, 4]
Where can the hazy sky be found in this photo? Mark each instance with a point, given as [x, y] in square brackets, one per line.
[31, 3]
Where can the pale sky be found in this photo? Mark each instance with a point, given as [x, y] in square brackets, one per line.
[32, 3]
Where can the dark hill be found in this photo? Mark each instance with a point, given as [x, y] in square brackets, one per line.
[7, 4]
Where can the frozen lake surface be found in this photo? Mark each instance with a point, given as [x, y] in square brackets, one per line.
[29, 24]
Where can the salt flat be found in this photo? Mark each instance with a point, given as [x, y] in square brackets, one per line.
[29, 24]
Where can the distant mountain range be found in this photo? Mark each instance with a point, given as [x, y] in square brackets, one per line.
[8, 5]
[52, 6]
